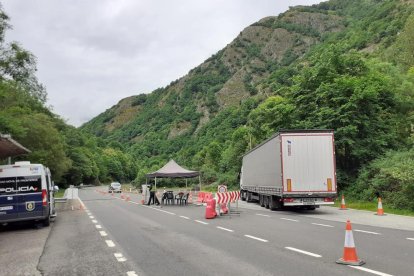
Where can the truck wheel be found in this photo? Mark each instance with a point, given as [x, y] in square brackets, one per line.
[261, 201]
[266, 202]
[243, 195]
[46, 221]
[249, 197]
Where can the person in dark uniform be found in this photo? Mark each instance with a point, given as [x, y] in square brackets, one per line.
[152, 198]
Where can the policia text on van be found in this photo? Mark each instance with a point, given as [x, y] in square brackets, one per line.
[26, 193]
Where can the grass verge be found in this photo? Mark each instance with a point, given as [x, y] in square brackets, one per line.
[59, 193]
[372, 206]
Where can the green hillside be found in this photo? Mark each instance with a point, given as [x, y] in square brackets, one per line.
[342, 65]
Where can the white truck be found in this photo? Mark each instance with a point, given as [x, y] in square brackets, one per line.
[292, 168]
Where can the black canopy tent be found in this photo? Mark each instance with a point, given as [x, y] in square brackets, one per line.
[173, 170]
[10, 148]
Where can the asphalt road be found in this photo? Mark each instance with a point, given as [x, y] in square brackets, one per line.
[177, 240]
[21, 246]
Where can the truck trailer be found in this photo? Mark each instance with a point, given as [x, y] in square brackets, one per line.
[292, 168]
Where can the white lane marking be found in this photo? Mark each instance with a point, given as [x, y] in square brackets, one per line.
[256, 238]
[94, 221]
[202, 222]
[324, 225]
[110, 243]
[368, 232]
[120, 257]
[411, 239]
[98, 226]
[289, 219]
[164, 211]
[156, 209]
[103, 233]
[184, 217]
[262, 215]
[225, 229]
[131, 273]
[92, 217]
[370, 270]
[303, 252]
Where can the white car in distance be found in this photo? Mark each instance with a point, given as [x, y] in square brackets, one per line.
[115, 187]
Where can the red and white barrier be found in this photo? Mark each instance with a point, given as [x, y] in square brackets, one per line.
[227, 197]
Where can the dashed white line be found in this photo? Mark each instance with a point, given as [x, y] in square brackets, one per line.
[303, 252]
[120, 257]
[202, 222]
[367, 232]
[370, 270]
[103, 233]
[184, 217]
[262, 215]
[295, 220]
[131, 273]
[92, 217]
[411, 239]
[225, 229]
[110, 243]
[256, 238]
[98, 226]
[324, 225]
[94, 221]
[164, 211]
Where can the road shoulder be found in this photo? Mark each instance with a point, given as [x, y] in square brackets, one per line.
[75, 247]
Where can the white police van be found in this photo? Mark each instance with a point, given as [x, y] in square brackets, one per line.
[26, 193]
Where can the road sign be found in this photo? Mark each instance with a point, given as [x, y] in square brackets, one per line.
[222, 188]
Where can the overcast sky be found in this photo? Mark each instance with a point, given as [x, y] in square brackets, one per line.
[93, 53]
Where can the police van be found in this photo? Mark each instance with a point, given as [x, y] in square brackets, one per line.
[26, 193]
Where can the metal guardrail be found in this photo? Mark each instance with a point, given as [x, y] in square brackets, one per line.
[60, 199]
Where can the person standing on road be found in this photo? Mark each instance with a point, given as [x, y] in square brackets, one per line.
[152, 196]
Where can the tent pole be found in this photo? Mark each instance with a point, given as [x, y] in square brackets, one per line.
[199, 181]
[186, 185]
[155, 183]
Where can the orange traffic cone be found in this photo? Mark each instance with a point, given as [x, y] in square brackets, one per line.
[350, 256]
[128, 198]
[343, 206]
[380, 211]
[122, 196]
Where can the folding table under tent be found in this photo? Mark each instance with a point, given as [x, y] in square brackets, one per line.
[173, 170]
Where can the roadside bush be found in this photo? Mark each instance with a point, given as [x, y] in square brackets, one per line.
[391, 177]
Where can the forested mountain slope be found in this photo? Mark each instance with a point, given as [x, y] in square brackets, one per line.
[342, 65]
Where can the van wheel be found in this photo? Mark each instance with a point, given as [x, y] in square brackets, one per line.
[46, 222]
